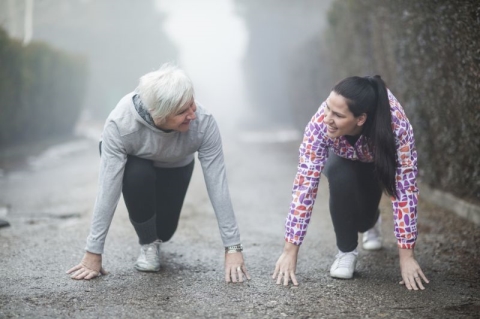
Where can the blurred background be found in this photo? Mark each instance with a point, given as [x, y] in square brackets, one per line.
[262, 67]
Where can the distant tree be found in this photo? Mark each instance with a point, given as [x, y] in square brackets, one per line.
[121, 39]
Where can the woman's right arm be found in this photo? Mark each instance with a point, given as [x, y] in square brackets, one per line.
[313, 153]
[112, 165]
[287, 265]
[90, 267]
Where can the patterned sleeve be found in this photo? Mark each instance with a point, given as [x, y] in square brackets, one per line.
[405, 205]
[313, 153]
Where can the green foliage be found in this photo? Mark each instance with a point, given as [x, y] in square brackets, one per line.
[428, 53]
[41, 91]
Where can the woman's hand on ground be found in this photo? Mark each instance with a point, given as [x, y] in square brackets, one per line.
[412, 274]
[90, 267]
[287, 265]
[235, 267]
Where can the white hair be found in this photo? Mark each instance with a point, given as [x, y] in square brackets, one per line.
[165, 91]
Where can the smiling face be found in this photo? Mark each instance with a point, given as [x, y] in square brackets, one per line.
[179, 121]
[339, 119]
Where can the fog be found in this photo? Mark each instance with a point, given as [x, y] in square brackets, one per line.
[251, 61]
[211, 39]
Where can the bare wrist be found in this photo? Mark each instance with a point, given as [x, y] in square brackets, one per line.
[405, 253]
[291, 248]
[91, 255]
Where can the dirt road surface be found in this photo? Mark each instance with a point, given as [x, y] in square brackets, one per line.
[49, 202]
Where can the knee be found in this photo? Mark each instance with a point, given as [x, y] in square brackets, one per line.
[363, 227]
[368, 221]
[340, 176]
[166, 235]
[138, 169]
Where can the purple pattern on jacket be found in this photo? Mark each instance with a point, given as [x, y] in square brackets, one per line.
[313, 154]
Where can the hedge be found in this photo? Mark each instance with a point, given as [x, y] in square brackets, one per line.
[428, 52]
[41, 91]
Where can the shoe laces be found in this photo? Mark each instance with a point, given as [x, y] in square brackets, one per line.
[372, 234]
[345, 260]
[150, 251]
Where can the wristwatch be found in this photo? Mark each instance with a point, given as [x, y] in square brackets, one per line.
[234, 249]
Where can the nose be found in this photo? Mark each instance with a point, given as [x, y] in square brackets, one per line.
[191, 115]
[327, 119]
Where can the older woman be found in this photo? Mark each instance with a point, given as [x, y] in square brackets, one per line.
[147, 152]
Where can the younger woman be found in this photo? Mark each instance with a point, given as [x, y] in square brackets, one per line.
[361, 139]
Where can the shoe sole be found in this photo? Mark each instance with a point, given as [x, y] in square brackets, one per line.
[340, 277]
[344, 276]
[371, 246]
[146, 269]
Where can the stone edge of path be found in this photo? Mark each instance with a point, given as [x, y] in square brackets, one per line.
[451, 203]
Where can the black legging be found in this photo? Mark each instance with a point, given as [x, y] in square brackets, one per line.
[154, 197]
[354, 198]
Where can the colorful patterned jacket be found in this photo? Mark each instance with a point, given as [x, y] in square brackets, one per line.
[313, 154]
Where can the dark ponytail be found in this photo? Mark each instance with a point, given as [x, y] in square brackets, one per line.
[369, 95]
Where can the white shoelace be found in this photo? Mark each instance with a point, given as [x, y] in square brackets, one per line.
[372, 234]
[150, 251]
[345, 259]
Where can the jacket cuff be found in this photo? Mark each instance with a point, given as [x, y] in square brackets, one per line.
[94, 246]
[403, 245]
[235, 240]
[296, 240]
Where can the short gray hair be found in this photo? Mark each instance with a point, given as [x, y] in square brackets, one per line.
[165, 91]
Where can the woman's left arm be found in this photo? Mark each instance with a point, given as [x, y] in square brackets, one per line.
[412, 274]
[405, 203]
[211, 158]
[235, 267]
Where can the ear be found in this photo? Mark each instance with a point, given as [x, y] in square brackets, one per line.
[158, 122]
[361, 119]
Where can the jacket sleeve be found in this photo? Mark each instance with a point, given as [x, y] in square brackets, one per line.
[313, 154]
[112, 165]
[405, 204]
[211, 158]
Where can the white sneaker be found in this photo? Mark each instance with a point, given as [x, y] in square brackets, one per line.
[149, 259]
[372, 238]
[344, 266]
